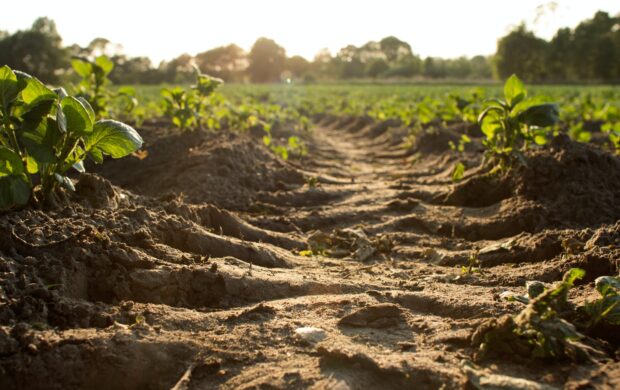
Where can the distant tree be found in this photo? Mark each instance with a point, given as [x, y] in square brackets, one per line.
[298, 66]
[133, 70]
[481, 68]
[434, 68]
[560, 56]
[37, 51]
[377, 68]
[324, 66]
[458, 68]
[595, 52]
[369, 52]
[226, 62]
[523, 53]
[179, 70]
[349, 63]
[616, 43]
[406, 67]
[267, 60]
[395, 49]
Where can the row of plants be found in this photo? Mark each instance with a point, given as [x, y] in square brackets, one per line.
[510, 123]
[512, 120]
[201, 107]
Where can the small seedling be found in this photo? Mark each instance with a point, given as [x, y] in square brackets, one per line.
[513, 123]
[458, 171]
[607, 307]
[539, 330]
[472, 266]
[312, 181]
[191, 109]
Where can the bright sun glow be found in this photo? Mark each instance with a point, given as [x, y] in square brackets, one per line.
[165, 29]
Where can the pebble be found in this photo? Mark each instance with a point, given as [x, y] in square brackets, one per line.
[310, 335]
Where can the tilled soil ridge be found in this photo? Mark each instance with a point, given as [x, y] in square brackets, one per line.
[341, 269]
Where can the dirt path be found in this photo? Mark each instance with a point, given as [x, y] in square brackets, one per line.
[157, 292]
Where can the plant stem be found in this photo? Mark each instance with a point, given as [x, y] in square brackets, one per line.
[11, 133]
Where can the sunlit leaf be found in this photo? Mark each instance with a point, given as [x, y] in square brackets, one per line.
[514, 90]
[113, 138]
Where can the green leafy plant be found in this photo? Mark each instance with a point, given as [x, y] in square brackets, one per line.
[94, 82]
[472, 266]
[45, 133]
[539, 330]
[191, 108]
[513, 123]
[613, 131]
[293, 145]
[459, 168]
[460, 147]
[458, 171]
[94, 87]
[607, 308]
[312, 181]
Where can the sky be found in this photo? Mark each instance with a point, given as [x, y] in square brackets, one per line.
[163, 30]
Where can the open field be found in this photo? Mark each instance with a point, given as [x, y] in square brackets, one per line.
[320, 236]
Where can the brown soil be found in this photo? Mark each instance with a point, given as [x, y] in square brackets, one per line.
[186, 273]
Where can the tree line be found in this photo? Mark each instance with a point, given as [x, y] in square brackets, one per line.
[588, 53]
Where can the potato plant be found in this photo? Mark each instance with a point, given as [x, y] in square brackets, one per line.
[550, 327]
[513, 123]
[191, 109]
[94, 87]
[294, 145]
[45, 133]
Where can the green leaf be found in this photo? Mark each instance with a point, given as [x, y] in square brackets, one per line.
[491, 125]
[31, 165]
[206, 85]
[10, 162]
[604, 283]
[540, 139]
[36, 92]
[572, 275]
[494, 110]
[14, 191]
[82, 67]
[113, 138]
[584, 136]
[61, 119]
[79, 118]
[88, 107]
[541, 115]
[129, 91]
[105, 64]
[37, 147]
[9, 88]
[96, 155]
[293, 142]
[514, 90]
[527, 103]
[458, 172]
[36, 115]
